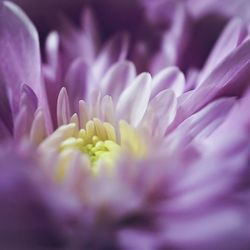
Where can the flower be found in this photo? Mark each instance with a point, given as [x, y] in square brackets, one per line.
[120, 159]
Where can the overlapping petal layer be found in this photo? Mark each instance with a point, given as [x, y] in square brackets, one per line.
[111, 158]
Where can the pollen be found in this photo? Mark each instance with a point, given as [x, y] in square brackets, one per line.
[97, 141]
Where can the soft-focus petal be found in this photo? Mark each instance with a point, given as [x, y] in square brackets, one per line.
[30, 217]
[230, 77]
[115, 50]
[232, 36]
[76, 82]
[20, 55]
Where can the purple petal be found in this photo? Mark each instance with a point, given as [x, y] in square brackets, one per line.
[133, 101]
[90, 28]
[174, 41]
[117, 79]
[162, 110]
[229, 8]
[217, 229]
[170, 78]
[233, 136]
[232, 36]
[52, 69]
[5, 110]
[76, 82]
[33, 213]
[231, 77]
[115, 50]
[28, 98]
[24, 118]
[204, 122]
[19, 54]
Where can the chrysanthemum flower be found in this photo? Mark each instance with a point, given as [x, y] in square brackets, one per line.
[117, 159]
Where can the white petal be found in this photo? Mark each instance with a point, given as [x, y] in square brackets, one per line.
[117, 78]
[169, 78]
[133, 102]
[160, 113]
[63, 108]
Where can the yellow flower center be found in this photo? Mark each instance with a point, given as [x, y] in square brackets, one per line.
[98, 141]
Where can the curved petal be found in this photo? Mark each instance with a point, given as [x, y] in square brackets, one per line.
[19, 52]
[27, 107]
[231, 77]
[160, 112]
[169, 78]
[115, 50]
[76, 82]
[90, 27]
[228, 41]
[204, 122]
[117, 78]
[63, 108]
[133, 101]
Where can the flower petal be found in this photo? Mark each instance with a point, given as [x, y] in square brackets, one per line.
[38, 131]
[33, 212]
[19, 53]
[52, 55]
[91, 29]
[115, 50]
[63, 108]
[117, 78]
[228, 41]
[76, 82]
[231, 77]
[160, 112]
[170, 78]
[133, 101]
[204, 122]
[5, 109]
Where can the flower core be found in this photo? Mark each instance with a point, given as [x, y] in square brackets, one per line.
[97, 141]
